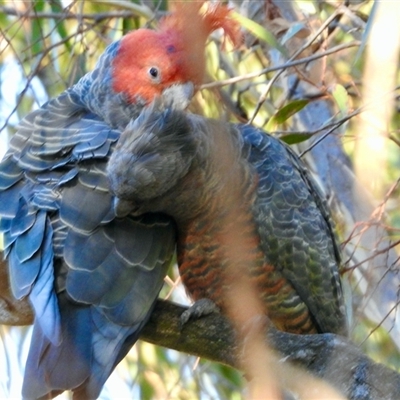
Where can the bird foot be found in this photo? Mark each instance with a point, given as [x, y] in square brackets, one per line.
[198, 309]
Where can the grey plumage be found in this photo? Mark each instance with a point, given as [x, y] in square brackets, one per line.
[92, 278]
[228, 172]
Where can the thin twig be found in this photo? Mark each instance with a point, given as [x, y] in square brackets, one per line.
[296, 53]
[375, 254]
[141, 11]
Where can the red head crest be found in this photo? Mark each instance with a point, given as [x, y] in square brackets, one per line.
[149, 61]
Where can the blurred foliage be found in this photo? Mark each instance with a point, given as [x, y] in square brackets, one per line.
[47, 46]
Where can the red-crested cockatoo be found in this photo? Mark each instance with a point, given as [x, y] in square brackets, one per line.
[92, 277]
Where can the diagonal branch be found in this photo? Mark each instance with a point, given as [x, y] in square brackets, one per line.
[330, 357]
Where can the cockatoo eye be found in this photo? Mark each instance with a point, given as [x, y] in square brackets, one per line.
[154, 73]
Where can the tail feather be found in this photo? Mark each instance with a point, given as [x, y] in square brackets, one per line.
[91, 347]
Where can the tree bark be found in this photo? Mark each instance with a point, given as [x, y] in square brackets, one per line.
[327, 356]
[12, 311]
[330, 357]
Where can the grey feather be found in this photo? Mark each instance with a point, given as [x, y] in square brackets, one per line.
[92, 279]
[293, 215]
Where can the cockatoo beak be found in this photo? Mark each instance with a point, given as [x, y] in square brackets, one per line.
[178, 96]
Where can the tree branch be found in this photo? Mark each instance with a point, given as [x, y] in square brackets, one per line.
[330, 357]
[132, 10]
[12, 311]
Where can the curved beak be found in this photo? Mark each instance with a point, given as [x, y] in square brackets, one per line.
[178, 96]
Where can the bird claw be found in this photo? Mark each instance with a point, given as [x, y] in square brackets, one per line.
[198, 309]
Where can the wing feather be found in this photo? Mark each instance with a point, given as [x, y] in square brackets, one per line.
[92, 278]
[296, 231]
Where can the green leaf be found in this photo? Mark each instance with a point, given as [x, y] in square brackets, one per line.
[340, 96]
[294, 138]
[259, 31]
[36, 29]
[285, 113]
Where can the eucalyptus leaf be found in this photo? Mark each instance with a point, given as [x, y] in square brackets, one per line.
[285, 113]
[259, 31]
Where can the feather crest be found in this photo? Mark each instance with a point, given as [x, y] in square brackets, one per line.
[196, 20]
